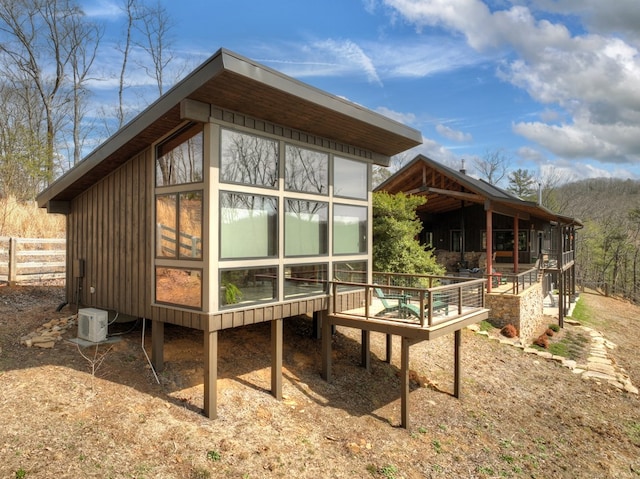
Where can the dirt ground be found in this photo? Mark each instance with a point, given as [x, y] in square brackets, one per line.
[520, 416]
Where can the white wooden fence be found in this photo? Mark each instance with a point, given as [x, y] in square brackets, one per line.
[31, 259]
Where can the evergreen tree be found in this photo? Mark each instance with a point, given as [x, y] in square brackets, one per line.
[522, 183]
[396, 226]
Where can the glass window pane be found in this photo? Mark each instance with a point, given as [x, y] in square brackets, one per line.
[349, 178]
[166, 226]
[248, 159]
[306, 170]
[245, 286]
[349, 229]
[305, 279]
[179, 159]
[190, 225]
[248, 226]
[350, 272]
[305, 228]
[182, 287]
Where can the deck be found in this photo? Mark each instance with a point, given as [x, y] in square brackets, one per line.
[433, 312]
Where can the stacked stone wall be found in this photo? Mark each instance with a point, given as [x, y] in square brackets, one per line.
[524, 311]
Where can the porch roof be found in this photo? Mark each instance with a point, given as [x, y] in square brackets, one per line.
[445, 188]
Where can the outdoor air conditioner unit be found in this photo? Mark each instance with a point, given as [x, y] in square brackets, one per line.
[93, 324]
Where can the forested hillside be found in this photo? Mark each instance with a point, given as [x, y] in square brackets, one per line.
[609, 244]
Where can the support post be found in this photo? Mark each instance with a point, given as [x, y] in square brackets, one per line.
[404, 383]
[157, 345]
[316, 330]
[457, 364]
[489, 222]
[12, 274]
[516, 243]
[366, 349]
[276, 358]
[389, 348]
[211, 374]
[326, 346]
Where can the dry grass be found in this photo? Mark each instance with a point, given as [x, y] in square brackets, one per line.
[519, 417]
[26, 220]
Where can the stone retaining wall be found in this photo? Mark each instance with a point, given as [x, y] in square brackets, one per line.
[524, 311]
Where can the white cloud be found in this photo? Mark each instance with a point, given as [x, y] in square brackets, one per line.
[454, 135]
[591, 73]
[405, 118]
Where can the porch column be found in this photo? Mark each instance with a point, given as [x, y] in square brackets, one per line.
[516, 240]
[489, 222]
[157, 345]
[276, 358]
[211, 374]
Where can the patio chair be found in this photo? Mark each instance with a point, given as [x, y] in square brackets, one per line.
[404, 308]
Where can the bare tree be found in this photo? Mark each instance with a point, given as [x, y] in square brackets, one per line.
[493, 166]
[129, 8]
[36, 53]
[155, 25]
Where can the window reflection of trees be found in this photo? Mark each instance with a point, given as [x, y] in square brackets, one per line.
[248, 159]
[306, 170]
[179, 159]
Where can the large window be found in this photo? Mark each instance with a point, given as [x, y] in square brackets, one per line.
[248, 159]
[306, 170]
[305, 279]
[248, 226]
[349, 229]
[350, 272]
[350, 178]
[179, 286]
[249, 285]
[305, 227]
[179, 225]
[179, 158]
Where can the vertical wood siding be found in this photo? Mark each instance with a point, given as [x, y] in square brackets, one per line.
[109, 227]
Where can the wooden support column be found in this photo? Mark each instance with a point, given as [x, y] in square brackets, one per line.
[489, 222]
[211, 374]
[326, 346]
[516, 241]
[457, 365]
[157, 345]
[404, 383]
[316, 332]
[389, 348]
[366, 349]
[276, 358]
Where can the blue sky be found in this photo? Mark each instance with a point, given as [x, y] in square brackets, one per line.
[552, 84]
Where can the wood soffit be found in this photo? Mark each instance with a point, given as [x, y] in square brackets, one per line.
[445, 193]
[235, 83]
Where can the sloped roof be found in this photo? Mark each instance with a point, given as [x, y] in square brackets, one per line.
[232, 82]
[445, 188]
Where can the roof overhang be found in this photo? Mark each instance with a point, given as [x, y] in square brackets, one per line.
[235, 83]
[447, 190]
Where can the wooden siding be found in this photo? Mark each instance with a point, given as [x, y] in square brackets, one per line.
[109, 227]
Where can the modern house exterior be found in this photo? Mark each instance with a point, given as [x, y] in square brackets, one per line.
[475, 226]
[231, 200]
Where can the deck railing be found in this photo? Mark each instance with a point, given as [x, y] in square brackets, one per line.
[518, 282]
[429, 306]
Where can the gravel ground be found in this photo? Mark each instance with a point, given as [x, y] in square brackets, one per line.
[520, 416]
